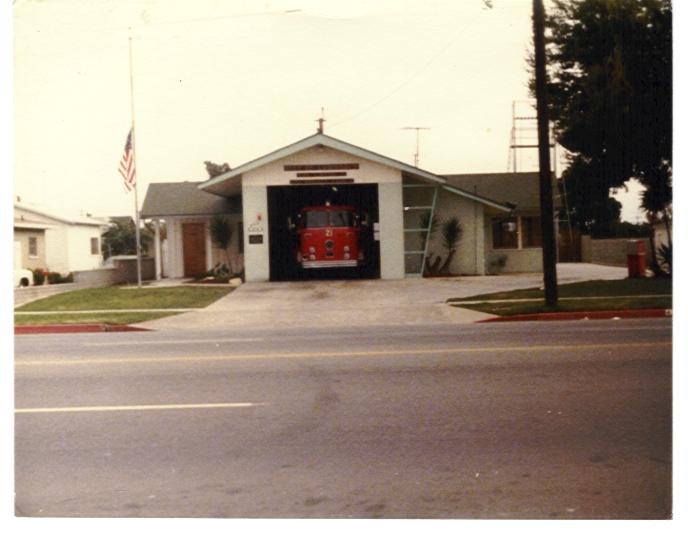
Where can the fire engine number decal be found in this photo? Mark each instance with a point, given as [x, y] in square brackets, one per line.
[328, 232]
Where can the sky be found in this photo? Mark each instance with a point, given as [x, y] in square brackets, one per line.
[229, 81]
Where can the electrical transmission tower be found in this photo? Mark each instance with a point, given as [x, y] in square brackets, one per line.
[524, 136]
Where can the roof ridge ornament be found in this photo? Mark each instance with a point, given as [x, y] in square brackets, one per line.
[321, 121]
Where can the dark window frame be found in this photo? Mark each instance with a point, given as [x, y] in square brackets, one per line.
[498, 241]
[33, 246]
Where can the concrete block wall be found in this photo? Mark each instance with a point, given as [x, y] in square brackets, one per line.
[82, 279]
[123, 272]
[609, 251]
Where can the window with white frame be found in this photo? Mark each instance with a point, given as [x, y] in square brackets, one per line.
[95, 246]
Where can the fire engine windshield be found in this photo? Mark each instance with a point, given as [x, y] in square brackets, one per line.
[341, 218]
[314, 219]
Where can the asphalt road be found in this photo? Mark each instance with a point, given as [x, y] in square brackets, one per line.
[530, 420]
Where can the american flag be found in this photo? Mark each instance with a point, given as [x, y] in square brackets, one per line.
[127, 165]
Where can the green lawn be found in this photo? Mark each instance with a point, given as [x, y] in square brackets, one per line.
[127, 298]
[653, 291]
[118, 298]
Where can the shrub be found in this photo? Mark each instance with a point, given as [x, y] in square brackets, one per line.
[56, 277]
[38, 276]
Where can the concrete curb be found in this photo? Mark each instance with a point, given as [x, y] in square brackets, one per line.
[571, 316]
[76, 327]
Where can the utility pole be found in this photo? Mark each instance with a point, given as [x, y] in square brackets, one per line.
[549, 251]
[416, 157]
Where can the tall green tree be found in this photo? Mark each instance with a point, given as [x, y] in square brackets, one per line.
[120, 238]
[610, 94]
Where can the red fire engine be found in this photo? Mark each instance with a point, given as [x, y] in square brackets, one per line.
[328, 237]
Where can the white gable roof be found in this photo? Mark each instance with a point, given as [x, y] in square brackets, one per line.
[91, 221]
[230, 182]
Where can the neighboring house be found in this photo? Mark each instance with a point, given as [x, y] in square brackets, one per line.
[498, 213]
[56, 242]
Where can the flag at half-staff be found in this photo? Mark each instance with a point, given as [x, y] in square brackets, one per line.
[127, 164]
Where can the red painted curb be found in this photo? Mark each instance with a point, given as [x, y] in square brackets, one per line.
[72, 328]
[599, 314]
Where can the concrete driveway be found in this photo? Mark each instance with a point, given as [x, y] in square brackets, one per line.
[368, 302]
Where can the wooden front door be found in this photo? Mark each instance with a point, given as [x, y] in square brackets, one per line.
[193, 248]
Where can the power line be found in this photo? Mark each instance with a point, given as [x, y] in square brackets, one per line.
[409, 79]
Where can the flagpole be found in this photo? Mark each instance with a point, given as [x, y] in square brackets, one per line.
[136, 184]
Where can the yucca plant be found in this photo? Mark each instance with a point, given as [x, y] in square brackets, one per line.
[221, 232]
[451, 234]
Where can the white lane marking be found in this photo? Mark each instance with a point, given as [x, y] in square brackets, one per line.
[196, 341]
[136, 407]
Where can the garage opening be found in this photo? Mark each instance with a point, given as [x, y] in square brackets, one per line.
[287, 206]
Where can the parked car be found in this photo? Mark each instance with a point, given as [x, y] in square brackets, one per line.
[23, 277]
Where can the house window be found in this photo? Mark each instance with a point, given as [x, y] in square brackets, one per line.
[504, 233]
[33, 246]
[95, 246]
[532, 232]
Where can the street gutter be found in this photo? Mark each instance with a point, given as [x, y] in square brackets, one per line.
[75, 328]
[572, 316]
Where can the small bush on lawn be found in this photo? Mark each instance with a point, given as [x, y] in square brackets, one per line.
[38, 276]
[56, 277]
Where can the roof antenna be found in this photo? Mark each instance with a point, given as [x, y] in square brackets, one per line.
[321, 121]
[416, 157]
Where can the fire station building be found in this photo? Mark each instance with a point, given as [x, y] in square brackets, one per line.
[400, 211]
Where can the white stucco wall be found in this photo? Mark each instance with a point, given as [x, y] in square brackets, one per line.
[391, 231]
[79, 247]
[254, 195]
[57, 250]
[469, 257]
[255, 210]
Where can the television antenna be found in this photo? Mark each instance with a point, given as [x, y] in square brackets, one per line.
[416, 157]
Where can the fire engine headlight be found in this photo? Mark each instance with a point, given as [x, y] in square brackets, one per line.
[346, 249]
[312, 256]
[311, 250]
[347, 256]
